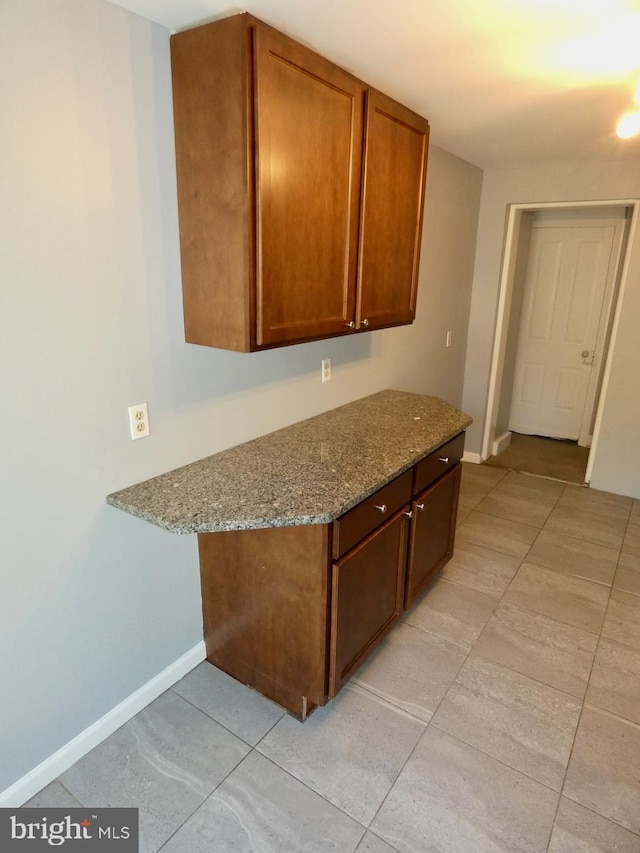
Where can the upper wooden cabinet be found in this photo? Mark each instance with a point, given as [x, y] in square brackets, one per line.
[300, 191]
[396, 146]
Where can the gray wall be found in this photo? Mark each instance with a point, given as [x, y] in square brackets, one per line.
[94, 603]
[617, 463]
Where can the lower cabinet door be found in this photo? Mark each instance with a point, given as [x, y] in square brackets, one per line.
[366, 599]
[433, 527]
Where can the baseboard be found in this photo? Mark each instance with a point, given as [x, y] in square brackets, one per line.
[52, 767]
[467, 456]
[501, 443]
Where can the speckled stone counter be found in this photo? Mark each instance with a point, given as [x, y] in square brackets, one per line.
[307, 473]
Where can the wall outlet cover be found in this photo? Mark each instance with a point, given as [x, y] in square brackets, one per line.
[138, 421]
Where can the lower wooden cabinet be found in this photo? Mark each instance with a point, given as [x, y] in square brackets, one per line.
[265, 606]
[433, 529]
[294, 611]
[367, 594]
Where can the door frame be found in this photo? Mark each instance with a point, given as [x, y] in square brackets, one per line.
[503, 313]
[608, 303]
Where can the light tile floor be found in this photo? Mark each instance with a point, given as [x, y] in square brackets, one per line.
[501, 714]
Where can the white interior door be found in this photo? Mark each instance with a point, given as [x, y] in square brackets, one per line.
[568, 281]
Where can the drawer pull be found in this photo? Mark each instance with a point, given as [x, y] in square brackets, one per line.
[381, 507]
[420, 506]
[365, 322]
[444, 459]
[351, 325]
[409, 514]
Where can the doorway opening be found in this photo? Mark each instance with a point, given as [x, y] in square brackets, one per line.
[562, 269]
[552, 458]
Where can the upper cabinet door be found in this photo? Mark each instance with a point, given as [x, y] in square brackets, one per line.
[395, 168]
[308, 137]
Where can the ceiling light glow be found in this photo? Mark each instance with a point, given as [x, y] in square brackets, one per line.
[609, 50]
[629, 125]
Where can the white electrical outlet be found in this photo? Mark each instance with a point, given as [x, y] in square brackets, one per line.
[448, 338]
[326, 369]
[138, 421]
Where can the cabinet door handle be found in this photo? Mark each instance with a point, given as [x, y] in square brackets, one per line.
[381, 507]
[408, 514]
[350, 324]
[365, 322]
[420, 506]
[444, 458]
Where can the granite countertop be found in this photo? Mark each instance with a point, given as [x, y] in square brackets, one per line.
[307, 473]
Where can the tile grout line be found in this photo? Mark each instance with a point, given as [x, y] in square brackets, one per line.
[426, 728]
[199, 806]
[61, 783]
[526, 675]
[441, 577]
[551, 568]
[584, 700]
[283, 770]
[467, 656]
[226, 728]
[543, 530]
[313, 791]
[526, 609]
[496, 759]
[500, 601]
[568, 574]
[623, 645]
[575, 734]
[555, 814]
[471, 746]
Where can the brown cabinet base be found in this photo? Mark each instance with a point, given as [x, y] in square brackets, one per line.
[265, 599]
[294, 611]
[280, 617]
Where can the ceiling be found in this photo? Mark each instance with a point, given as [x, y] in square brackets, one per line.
[503, 82]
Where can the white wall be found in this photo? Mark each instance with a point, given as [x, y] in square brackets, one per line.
[94, 603]
[617, 464]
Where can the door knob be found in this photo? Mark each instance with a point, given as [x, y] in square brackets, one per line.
[585, 353]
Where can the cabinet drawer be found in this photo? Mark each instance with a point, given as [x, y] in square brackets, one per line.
[354, 525]
[435, 464]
